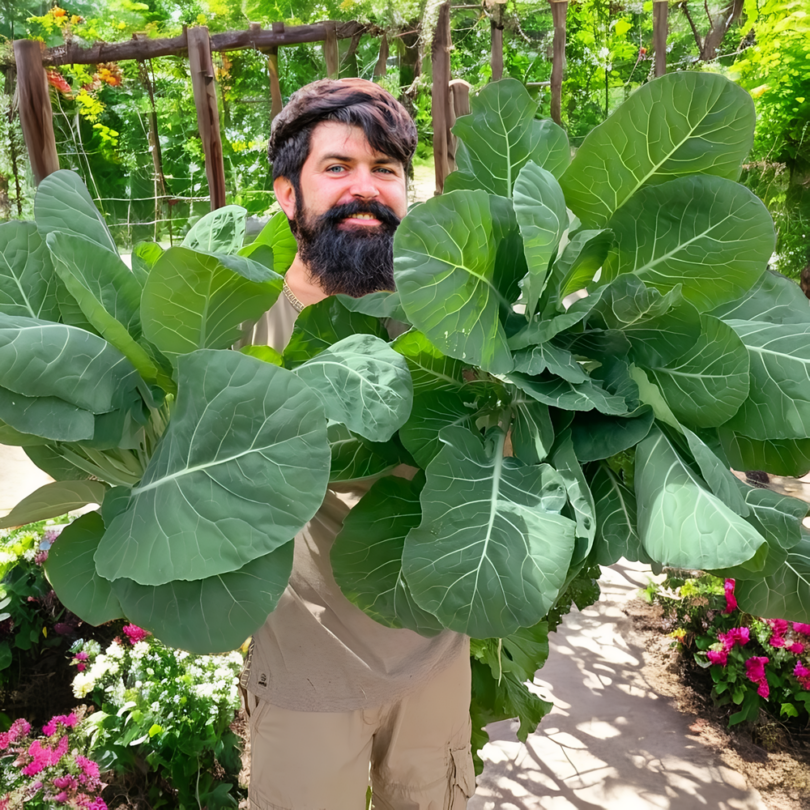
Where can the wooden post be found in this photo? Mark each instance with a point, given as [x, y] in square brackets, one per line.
[559, 10]
[205, 99]
[36, 115]
[441, 95]
[660, 22]
[459, 105]
[381, 68]
[496, 37]
[272, 69]
[330, 51]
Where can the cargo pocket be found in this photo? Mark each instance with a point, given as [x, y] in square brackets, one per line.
[462, 781]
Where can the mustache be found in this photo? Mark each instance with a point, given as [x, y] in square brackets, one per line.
[336, 215]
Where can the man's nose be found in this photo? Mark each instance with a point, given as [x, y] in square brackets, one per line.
[364, 186]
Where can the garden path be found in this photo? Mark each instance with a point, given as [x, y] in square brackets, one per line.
[18, 477]
[611, 742]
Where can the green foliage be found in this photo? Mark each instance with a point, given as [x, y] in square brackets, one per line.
[754, 663]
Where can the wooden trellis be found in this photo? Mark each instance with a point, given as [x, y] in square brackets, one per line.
[449, 98]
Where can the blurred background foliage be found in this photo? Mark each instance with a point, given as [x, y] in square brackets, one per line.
[103, 114]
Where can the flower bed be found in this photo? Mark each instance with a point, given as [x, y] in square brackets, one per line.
[754, 663]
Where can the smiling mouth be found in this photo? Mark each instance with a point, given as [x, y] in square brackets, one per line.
[363, 218]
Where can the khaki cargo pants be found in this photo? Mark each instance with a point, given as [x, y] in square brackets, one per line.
[417, 751]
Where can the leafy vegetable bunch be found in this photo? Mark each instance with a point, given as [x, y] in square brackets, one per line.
[545, 436]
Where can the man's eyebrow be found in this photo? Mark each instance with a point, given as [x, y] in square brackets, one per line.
[346, 159]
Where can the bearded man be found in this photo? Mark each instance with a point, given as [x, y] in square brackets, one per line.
[335, 699]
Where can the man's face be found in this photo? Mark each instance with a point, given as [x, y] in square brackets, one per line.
[350, 203]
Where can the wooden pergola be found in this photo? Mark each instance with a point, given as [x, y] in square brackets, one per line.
[450, 98]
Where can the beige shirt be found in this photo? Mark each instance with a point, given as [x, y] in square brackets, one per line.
[317, 652]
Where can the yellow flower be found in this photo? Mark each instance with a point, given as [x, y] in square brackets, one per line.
[758, 91]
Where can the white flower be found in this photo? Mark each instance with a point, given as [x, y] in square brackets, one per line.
[83, 685]
[140, 649]
[116, 651]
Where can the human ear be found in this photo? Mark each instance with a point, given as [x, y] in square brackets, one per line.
[285, 195]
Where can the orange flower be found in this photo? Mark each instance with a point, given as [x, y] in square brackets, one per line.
[57, 80]
[58, 12]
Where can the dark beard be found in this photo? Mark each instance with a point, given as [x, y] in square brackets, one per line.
[351, 261]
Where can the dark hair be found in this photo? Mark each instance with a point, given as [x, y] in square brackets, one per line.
[385, 122]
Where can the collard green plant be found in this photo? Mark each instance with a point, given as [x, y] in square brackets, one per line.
[548, 434]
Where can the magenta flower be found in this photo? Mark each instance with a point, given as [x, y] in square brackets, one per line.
[802, 674]
[4, 741]
[778, 629]
[718, 657]
[67, 720]
[97, 804]
[19, 728]
[66, 782]
[755, 670]
[731, 600]
[737, 635]
[797, 648]
[804, 629]
[81, 656]
[135, 633]
[87, 767]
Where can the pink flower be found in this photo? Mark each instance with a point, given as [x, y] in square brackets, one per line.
[755, 670]
[81, 667]
[81, 656]
[97, 804]
[67, 720]
[4, 741]
[19, 728]
[737, 635]
[778, 629]
[66, 782]
[87, 767]
[135, 633]
[731, 600]
[718, 657]
[61, 798]
[797, 648]
[802, 674]
[804, 629]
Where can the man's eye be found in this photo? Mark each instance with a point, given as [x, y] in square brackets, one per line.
[335, 169]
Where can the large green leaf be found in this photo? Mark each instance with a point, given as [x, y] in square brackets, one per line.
[241, 468]
[532, 429]
[616, 520]
[444, 263]
[778, 404]
[500, 136]
[575, 267]
[49, 417]
[541, 214]
[64, 204]
[108, 296]
[430, 369]
[211, 615]
[355, 458]
[789, 457]
[559, 393]
[552, 358]
[683, 123]
[706, 386]
[492, 550]
[680, 522]
[785, 594]
[323, 324]
[54, 500]
[382, 304]
[194, 301]
[367, 555]
[277, 236]
[362, 383]
[773, 299]
[659, 327]
[709, 234]
[51, 461]
[40, 359]
[220, 231]
[144, 257]
[432, 412]
[597, 436]
[14, 438]
[27, 281]
[72, 572]
[778, 518]
[716, 474]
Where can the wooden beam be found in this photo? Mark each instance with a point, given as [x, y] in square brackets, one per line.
[205, 99]
[381, 68]
[440, 103]
[277, 102]
[140, 48]
[36, 114]
[496, 14]
[660, 23]
[559, 10]
[330, 52]
[461, 97]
